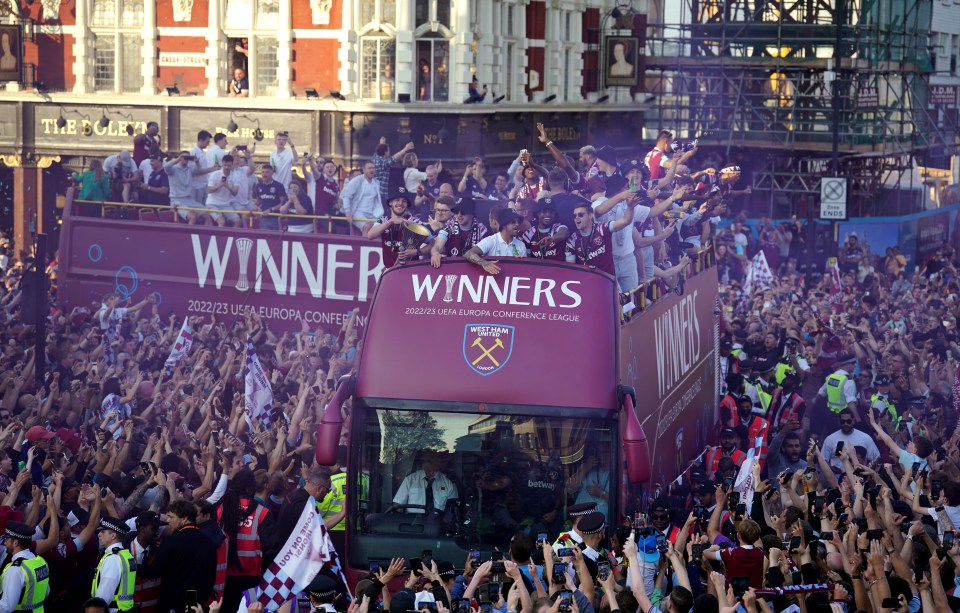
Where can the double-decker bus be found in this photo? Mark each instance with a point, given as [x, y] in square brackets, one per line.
[504, 397]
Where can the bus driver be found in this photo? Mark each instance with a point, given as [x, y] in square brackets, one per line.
[428, 487]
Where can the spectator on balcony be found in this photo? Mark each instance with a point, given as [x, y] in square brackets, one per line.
[239, 86]
[475, 93]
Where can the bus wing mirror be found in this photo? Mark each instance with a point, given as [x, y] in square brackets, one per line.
[331, 424]
[635, 444]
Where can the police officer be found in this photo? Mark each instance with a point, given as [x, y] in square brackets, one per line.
[839, 389]
[322, 592]
[574, 536]
[881, 402]
[26, 580]
[117, 571]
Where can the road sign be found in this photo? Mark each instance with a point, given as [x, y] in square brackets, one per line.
[833, 198]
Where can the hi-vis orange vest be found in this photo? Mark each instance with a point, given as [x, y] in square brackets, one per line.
[248, 543]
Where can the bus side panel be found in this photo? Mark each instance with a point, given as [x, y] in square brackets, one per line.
[202, 270]
[668, 355]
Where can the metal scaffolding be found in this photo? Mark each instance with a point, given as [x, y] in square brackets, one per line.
[756, 79]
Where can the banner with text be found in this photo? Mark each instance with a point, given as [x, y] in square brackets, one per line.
[668, 355]
[200, 270]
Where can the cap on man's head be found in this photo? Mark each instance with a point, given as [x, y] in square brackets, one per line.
[113, 524]
[579, 510]
[726, 343]
[402, 602]
[846, 358]
[591, 523]
[323, 588]
[730, 170]
[607, 154]
[763, 365]
[466, 205]
[69, 438]
[660, 504]
[883, 379]
[632, 165]
[36, 433]
[399, 193]
[445, 569]
[18, 530]
[728, 432]
[124, 155]
[746, 364]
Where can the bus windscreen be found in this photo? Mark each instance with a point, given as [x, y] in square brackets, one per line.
[452, 482]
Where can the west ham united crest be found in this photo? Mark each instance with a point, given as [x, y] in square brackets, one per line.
[487, 347]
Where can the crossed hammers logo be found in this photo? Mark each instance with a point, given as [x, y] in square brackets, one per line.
[486, 352]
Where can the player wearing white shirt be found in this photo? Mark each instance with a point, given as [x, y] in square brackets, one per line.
[222, 188]
[282, 159]
[504, 243]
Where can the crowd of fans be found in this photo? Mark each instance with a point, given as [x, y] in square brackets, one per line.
[840, 405]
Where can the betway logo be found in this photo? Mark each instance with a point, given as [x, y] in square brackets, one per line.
[514, 291]
[325, 270]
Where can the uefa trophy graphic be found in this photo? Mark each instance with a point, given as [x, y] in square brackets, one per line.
[449, 280]
[243, 256]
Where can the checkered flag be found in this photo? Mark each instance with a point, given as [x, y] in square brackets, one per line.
[758, 272]
[308, 550]
[257, 392]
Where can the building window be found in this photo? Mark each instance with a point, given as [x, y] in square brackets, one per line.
[377, 60]
[104, 65]
[267, 65]
[508, 70]
[383, 11]
[251, 29]
[433, 75]
[567, 73]
[117, 45]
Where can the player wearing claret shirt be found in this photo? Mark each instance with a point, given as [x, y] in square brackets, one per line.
[659, 159]
[327, 189]
[592, 244]
[546, 239]
[457, 238]
[389, 228]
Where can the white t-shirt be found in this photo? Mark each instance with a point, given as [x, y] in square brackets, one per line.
[215, 155]
[282, 162]
[221, 197]
[412, 178]
[200, 180]
[246, 182]
[622, 238]
[114, 162]
[854, 439]
[494, 245]
[145, 170]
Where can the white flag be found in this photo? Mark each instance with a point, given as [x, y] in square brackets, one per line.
[257, 393]
[306, 552]
[181, 348]
[758, 271]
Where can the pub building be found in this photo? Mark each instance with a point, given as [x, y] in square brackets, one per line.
[336, 74]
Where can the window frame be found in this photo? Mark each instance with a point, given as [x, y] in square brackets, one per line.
[115, 34]
[257, 34]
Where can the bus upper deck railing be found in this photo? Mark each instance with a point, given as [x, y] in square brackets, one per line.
[633, 302]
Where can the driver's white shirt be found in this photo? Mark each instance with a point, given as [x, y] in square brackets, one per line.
[413, 490]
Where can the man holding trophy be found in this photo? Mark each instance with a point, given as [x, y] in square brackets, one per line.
[401, 233]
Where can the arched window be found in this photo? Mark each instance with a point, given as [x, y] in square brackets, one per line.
[118, 45]
[433, 35]
[378, 50]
